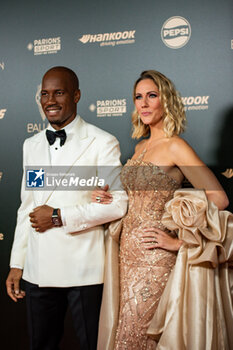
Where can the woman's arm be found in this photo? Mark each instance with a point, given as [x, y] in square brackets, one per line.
[198, 174]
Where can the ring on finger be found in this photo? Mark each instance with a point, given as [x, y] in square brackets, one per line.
[98, 199]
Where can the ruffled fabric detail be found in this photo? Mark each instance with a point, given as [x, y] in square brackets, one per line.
[195, 311]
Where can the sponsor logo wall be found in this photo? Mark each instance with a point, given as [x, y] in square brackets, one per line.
[196, 103]
[110, 39]
[111, 108]
[176, 32]
[109, 45]
[45, 46]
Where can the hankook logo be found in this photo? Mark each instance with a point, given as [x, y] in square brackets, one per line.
[110, 39]
[176, 32]
[195, 103]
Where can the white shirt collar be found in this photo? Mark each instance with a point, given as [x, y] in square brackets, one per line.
[68, 128]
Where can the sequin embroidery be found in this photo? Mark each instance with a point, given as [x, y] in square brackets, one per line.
[143, 273]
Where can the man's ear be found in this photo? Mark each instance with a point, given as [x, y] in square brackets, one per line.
[77, 95]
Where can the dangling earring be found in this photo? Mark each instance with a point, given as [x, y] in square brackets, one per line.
[139, 120]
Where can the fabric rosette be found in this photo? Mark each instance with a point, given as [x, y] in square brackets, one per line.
[195, 311]
[200, 226]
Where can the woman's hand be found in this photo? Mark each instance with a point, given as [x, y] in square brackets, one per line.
[156, 238]
[101, 195]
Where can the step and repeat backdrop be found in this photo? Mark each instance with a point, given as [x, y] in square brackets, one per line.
[108, 44]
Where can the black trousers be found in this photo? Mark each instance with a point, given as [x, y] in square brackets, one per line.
[46, 309]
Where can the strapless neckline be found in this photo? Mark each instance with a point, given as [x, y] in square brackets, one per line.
[139, 160]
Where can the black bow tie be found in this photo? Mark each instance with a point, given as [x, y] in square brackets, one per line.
[52, 135]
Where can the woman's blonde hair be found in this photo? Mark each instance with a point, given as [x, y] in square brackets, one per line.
[174, 118]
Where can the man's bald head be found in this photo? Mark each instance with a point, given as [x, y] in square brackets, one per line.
[67, 71]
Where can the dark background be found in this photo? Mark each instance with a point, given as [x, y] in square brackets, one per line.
[203, 67]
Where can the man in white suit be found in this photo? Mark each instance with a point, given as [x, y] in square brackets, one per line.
[58, 247]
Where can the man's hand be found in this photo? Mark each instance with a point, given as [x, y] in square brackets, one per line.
[41, 218]
[13, 284]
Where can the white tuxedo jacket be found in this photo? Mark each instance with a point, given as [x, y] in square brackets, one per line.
[71, 255]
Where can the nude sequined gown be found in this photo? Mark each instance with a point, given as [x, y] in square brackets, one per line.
[143, 273]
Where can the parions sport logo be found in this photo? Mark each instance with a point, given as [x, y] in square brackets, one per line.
[45, 46]
[176, 32]
[110, 39]
[109, 108]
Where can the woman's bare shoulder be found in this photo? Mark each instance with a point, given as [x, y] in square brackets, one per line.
[140, 145]
[182, 153]
[177, 142]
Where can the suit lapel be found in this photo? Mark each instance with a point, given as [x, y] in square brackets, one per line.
[41, 151]
[40, 157]
[76, 144]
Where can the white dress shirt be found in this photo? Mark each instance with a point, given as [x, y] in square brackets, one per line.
[55, 151]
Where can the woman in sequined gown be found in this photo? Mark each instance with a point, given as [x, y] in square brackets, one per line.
[156, 170]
